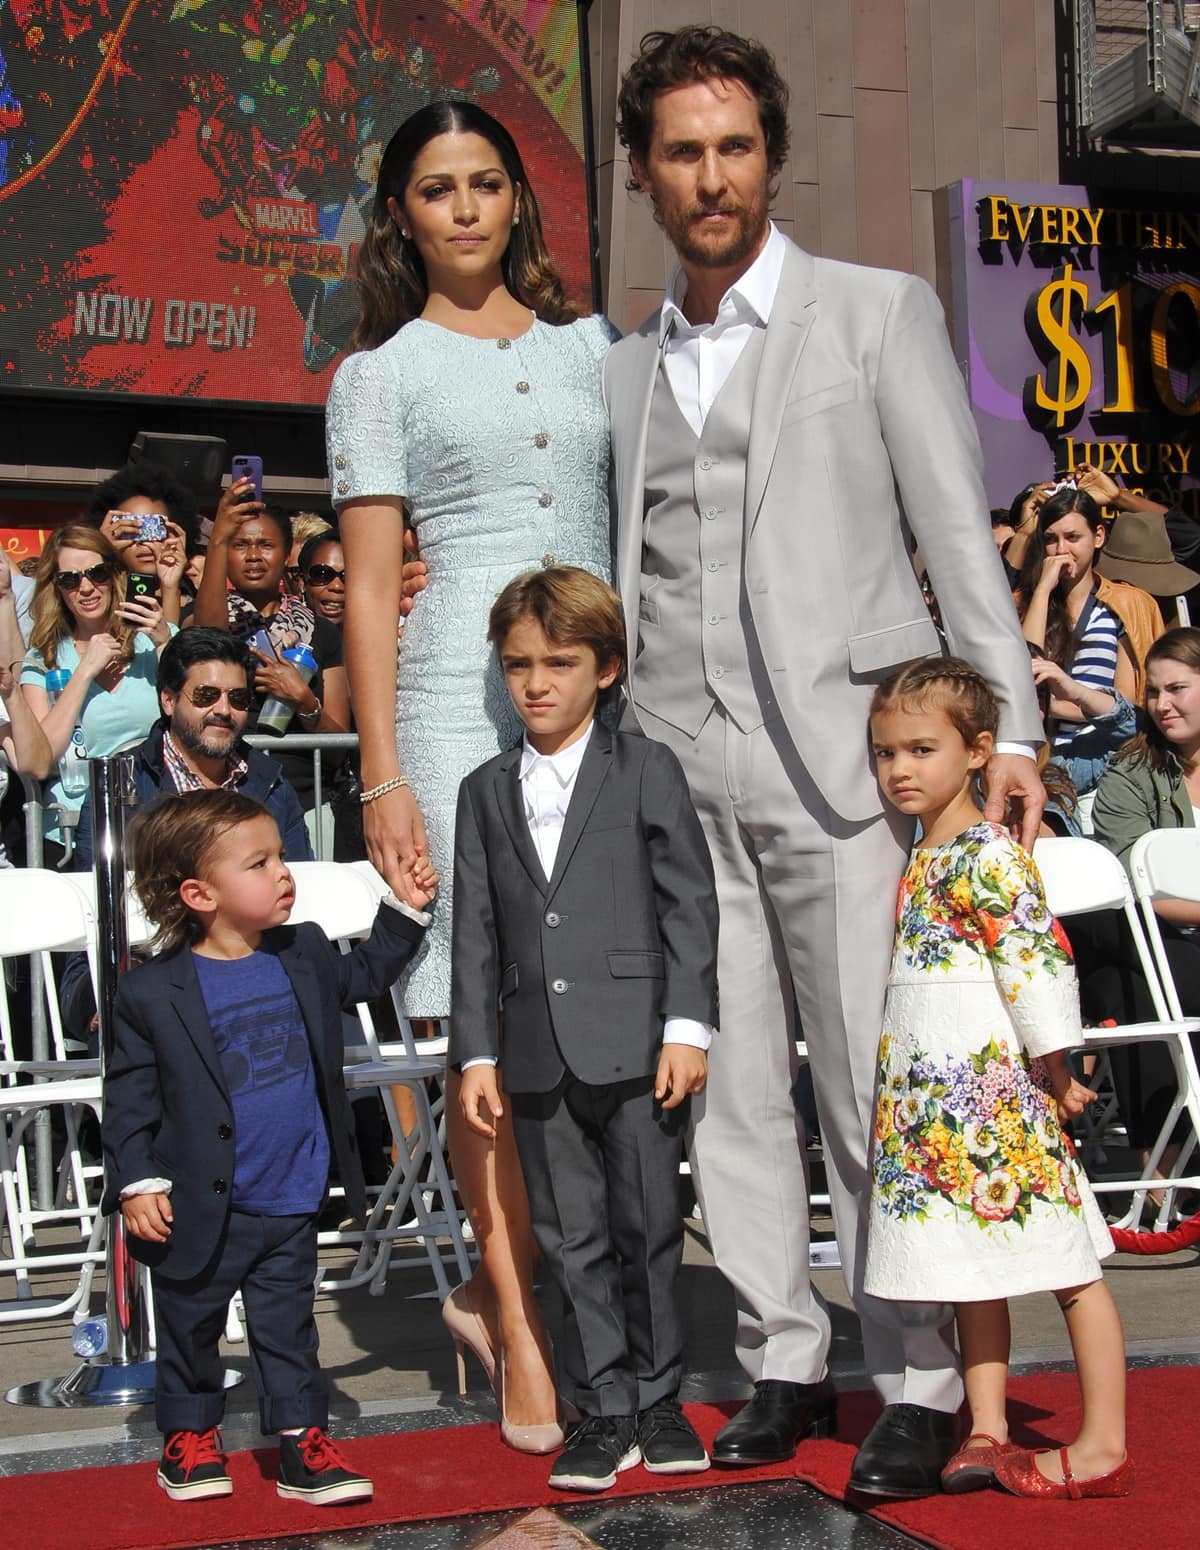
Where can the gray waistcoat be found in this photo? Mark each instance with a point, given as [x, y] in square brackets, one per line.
[696, 641]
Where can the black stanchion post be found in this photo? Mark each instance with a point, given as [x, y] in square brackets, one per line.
[127, 1362]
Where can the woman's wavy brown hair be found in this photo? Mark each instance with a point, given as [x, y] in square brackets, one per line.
[1149, 746]
[390, 274]
[1059, 644]
[170, 840]
[667, 60]
[53, 621]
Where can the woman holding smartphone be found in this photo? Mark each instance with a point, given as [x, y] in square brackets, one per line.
[150, 520]
[84, 623]
[473, 411]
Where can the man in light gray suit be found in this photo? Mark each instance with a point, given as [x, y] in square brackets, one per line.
[783, 428]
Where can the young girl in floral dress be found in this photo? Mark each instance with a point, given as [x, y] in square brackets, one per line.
[976, 1194]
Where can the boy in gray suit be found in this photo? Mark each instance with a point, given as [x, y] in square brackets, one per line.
[584, 965]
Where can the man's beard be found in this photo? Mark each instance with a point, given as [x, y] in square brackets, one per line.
[205, 747]
[742, 241]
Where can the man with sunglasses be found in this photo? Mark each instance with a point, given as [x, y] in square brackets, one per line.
[205, 690]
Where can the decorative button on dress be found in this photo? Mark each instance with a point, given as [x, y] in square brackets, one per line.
[499, 450]
[976, 1192]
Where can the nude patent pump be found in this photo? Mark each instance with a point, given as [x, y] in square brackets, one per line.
[466, 1328]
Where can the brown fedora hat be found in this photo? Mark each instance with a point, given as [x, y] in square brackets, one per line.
[1137, 549]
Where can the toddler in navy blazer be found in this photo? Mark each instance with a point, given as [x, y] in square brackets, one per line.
[583, 1001]
[224, 1103]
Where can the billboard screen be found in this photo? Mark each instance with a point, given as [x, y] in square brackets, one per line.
[183, 183]
[1077, 323]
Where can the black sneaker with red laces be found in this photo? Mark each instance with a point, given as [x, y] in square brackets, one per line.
[193, 1467]
[312, 1470]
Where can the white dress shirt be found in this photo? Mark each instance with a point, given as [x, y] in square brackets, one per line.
[547, 781]
[698, 358]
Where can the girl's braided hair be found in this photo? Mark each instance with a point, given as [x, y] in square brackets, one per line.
[947, 684]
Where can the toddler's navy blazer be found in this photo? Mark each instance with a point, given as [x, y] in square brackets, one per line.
[167, 1112]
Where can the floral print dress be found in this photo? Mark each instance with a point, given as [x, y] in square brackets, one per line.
[976, 1192]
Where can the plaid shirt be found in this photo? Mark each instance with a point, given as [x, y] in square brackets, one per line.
[184, 776]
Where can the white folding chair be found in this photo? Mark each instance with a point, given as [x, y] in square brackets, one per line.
[40, 913]
[1081, 876]
[138, 930]
[1165, 864]
[417, 1199]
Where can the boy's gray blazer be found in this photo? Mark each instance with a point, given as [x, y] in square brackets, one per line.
[582, 968]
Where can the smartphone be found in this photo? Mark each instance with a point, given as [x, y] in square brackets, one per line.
[141, 584]
[261, 641]
[245, 466]
[152, 529]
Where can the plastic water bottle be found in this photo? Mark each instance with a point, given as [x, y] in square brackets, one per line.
[275, 716]
[90, 1337]
[72, 767]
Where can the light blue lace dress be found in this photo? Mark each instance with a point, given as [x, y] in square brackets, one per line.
[499, 449]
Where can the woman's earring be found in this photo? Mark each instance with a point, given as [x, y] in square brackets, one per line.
[517, 218]
[407, 235]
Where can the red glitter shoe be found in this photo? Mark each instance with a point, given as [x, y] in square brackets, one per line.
[1019, 1474]
[974, 1469]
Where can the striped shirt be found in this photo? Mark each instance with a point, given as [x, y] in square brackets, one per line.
[1094, 664]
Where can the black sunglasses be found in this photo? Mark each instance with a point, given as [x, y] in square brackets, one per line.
[204, 695]
[72, 580]
[322, 575]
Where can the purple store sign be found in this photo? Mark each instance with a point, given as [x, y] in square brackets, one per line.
[1076, 322]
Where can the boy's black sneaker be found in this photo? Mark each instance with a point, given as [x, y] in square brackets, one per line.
[668, 1441]
[312, 1470]
[597, 1450]
[192, 1466]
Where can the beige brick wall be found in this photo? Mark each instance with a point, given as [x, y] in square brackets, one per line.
[891, 99]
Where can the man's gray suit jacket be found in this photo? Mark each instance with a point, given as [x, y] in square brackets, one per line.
[860, 438]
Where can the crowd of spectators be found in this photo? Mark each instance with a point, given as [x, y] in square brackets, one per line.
[106, 595]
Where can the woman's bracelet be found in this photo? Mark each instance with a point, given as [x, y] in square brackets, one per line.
[311, 717]
[375, 792]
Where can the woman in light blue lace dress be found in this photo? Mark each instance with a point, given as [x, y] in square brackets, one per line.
[472, 410]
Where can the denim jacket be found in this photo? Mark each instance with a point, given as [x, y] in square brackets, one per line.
[1088, 756]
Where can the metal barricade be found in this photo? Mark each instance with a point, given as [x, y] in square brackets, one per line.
[319, 744]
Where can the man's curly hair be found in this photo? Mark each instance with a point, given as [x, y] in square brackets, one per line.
[667, 60]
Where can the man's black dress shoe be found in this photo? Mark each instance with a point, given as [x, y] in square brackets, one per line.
[905, 1452]
[774, 1420]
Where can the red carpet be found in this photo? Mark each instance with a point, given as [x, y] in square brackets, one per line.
[460, 1470]
[1043, 1411]
[445, 1473]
